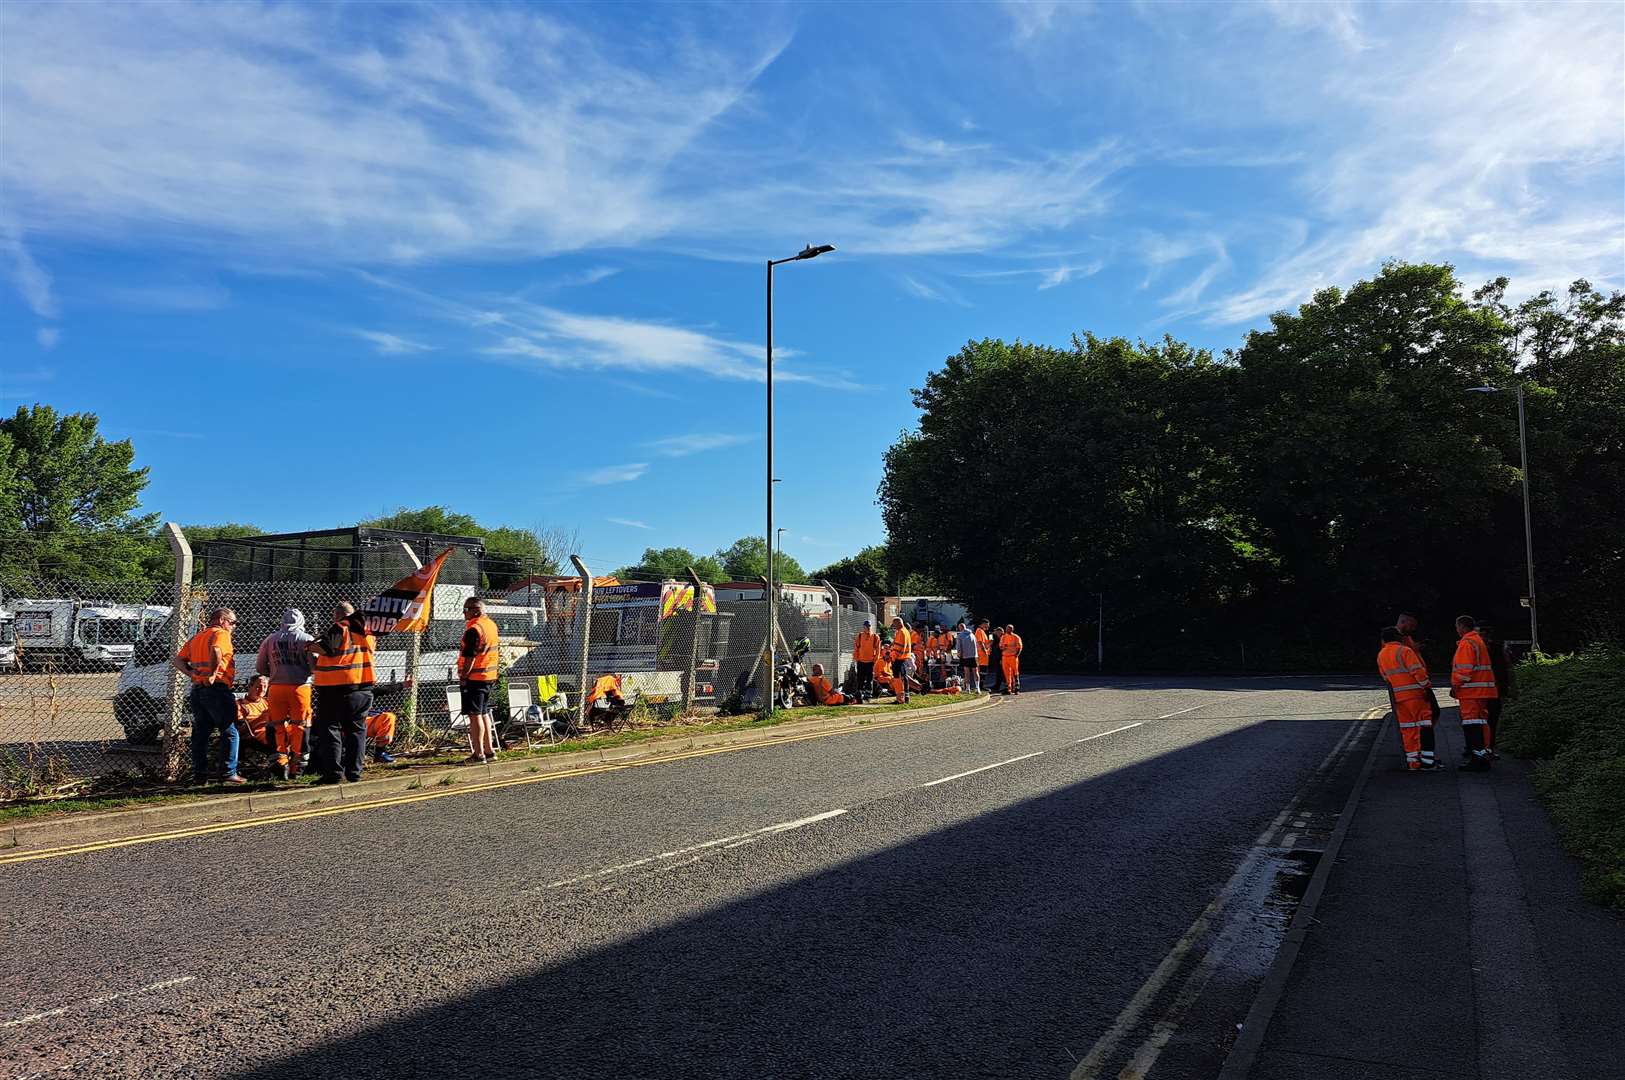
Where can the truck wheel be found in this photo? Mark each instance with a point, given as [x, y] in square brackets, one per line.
[140, 716]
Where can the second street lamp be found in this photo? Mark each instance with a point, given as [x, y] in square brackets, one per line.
[808, 252]
[1528, 532]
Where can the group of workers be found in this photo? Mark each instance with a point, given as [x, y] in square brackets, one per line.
[323, 686]
[1478, 677]
[919, 659]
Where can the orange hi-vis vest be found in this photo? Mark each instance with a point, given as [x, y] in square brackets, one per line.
[1470, 672]
[984, 648]
[1407, 676]
[866, 649]
[199, 656]
[482, 666]
[821, 688]
[352, 666]
[902, 643]
[1010, 644]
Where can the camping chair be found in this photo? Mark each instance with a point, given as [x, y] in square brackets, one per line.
[519, 715]
[459, 719]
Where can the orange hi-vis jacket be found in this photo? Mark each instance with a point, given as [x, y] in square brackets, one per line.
[1471, 675]
[1010, 644]
[866, 649]
[984, 648]
[902, 643]
[482, 666]
[353, 664]
[199, 656]
[1407, 676]
[822, 690]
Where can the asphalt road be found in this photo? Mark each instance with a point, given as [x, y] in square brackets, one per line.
[1079, 879]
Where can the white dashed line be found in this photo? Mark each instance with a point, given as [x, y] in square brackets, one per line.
[984, 768]
[1181, 712]
[1113, 731]
[736, 840]
[92, 1002]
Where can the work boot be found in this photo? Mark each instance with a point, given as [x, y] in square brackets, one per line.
[283, 769]
[383, 755]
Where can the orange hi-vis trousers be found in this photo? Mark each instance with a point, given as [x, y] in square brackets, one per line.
[1415, 715]
[1012, 671]
[287, 710]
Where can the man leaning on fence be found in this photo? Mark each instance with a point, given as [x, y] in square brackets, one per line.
[208, 659]
[344, 678]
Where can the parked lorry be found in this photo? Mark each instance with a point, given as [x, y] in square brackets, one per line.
[80, 635]
[8, 641]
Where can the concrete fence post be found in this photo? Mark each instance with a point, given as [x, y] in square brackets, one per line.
[414, 650]
[178, 683]
[583, 636]
[835, 628]
[690, 687]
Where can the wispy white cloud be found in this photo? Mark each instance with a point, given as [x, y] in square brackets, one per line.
[938, 292]
[1035, 18]
[593, 275]
[614, 474]
[629, 523]
[48, 337]
[1060, 275]
[178, 296]
[684, 445]
[31, 279]
[387, 344]
[1338, 18]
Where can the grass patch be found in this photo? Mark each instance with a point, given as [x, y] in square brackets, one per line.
[1567, 713]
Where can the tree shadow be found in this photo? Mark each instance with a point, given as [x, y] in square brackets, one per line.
[1002, 945]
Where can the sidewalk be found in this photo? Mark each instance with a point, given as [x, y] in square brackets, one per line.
[1452, 941]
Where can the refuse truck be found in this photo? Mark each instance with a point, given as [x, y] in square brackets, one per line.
[79, 635]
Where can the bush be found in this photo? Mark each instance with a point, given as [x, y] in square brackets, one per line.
[1572, 711]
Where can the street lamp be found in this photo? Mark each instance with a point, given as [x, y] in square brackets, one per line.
[808, 252]
[1528, 534]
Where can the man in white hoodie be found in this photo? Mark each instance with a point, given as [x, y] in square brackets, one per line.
[284, 658]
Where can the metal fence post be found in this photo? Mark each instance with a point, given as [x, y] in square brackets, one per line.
[584, 636]
[177, 682]
[414, 650]
[835, 626]
[690, 691]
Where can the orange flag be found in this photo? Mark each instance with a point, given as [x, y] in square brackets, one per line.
[404, 607]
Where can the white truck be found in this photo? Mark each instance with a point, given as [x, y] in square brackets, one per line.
[8, 641]
[79, 635]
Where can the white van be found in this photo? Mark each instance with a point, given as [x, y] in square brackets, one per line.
[80, 635]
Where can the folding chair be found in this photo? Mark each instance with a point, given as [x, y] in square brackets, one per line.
[519, 715]
[459, 718]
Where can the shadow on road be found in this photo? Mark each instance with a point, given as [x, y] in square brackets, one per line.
[998, 946]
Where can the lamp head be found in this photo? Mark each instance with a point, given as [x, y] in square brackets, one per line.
[810, 252]
[1483, 389]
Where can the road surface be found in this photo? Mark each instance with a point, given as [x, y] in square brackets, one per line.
[1085, 879]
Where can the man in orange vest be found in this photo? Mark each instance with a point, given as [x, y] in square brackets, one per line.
[886, 675]
[865, 651]
[1407, 678]
[1472, 684]
[1010, 645]
[984, 653]
[824, 693]
[344, 679]
[477, 674]
[1407, 625]
[212, 666]
[902, 653]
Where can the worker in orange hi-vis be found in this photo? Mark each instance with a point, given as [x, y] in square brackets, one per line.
[865, 651]
[1010, 645]
[886, 674]
[984, 653]
[1407, 677]
[822, 691]
[212, 665]
[1472, 684]
[902, 653]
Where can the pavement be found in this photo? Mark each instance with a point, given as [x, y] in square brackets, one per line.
[1451, 941]
[1088, 880]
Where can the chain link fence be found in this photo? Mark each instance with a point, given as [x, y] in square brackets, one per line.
[87, 687]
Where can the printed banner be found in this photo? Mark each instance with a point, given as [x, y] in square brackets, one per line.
[403, 608]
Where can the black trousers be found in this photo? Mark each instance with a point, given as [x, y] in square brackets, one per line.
[995, 672]
[866, 679]
[339, 734]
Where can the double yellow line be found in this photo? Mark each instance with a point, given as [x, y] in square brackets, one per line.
[424, 796]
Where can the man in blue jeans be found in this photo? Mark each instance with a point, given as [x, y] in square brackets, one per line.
[208, 659]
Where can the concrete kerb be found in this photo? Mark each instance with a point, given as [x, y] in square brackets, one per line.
[1244, 1053]
[117, 824]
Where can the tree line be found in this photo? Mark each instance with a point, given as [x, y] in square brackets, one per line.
[1273, 505]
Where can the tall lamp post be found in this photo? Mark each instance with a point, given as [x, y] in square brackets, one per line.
[1528, 533]
[808, 252]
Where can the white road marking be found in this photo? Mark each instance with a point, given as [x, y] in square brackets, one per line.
[1103, 734]
[984, 768]
[101, 1000]
[736, 840]
[1181, 712]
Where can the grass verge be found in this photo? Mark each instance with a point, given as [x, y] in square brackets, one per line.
[1568, 714]
[135, 794]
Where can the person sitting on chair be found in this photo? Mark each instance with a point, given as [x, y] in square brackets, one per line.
[380, 733]
[823, 693]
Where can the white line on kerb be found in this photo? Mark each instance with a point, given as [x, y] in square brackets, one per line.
[102, 1000]
[1113, 731]
[984, 768]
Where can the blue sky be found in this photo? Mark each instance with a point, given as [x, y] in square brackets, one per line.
[510, 257]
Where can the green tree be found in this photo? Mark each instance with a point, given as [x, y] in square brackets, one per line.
[68, 499]
[867, 571]
[746, 560]
[658, 564]
[511, 554]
